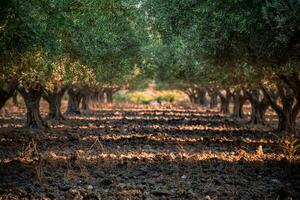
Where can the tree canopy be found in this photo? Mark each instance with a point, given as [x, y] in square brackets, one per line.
[48, 46]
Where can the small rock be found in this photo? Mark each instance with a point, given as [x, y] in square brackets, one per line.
[259, 151]
[90, 187]
[207, 197]
[183, 176]
[174, 190]
[121, 185]
[276, 181]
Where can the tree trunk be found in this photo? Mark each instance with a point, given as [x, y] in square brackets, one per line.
[85, 102]
[287, 113]
[239, 99]
[3, 101]
[75, 97]
[286, 122]
[241, 110]
[109, 96]
[293, 81]
[54, 99]
[201, 97]
[191, 93]
[225, 101]
[213, 98]
[236, 108]
[259, 107]
[8, 93]
[94, 96]
[225, 105]
[192, 98]
[54, 109]
[258, 113]
[101, 97]
[15, 99]
[32, 101]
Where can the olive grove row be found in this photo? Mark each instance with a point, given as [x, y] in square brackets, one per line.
[235, 50]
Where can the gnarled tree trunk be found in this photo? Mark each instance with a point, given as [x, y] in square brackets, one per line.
[75, 97]
[54, 109]
[259, 106]
[15, 98]
[85, 102]
[7, 93]
[32, 99]
[109, 96]
[191, 93]
[201, 96]
[86, 94]
[192, 98]
[110, 92]
[54, 99]
[239, 99]
[225, 101]
[94, 97]
[213, 98]
[100, 96]
[286, 123]
[289, 110]
[293, 81]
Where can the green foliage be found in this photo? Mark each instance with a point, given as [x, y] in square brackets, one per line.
[290, 146]
[145, 97]
[104, 37]
[210, 42]
[96, 34]
[136, 97]
[178, 43]
[165, 98]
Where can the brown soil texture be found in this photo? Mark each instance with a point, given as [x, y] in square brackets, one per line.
[144, 152]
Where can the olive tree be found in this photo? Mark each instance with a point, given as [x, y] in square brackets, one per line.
[261, 34]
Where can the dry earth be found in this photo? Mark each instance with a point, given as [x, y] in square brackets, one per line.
[143, 152]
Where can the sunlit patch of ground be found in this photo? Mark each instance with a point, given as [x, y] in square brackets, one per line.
[172, 156]
[144, 152]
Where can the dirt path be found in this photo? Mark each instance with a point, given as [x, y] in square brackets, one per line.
[144, 154]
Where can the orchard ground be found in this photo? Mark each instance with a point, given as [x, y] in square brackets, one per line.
[131, 151]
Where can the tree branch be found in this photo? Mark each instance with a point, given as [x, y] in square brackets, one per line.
[271, 98]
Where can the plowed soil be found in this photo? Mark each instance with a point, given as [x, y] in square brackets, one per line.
[144, 152]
